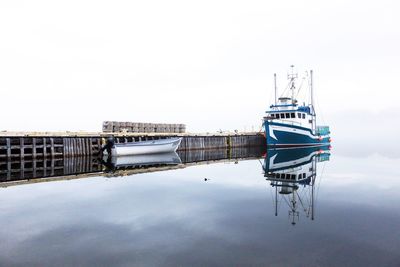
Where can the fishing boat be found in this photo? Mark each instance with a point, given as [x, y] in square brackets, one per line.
[145, 147]
[290, 124]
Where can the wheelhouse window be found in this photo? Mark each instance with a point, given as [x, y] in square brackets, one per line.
[303, 115]
[277, 115]
[292, 115]
[299, 115]
[272, 115]
[287, 115]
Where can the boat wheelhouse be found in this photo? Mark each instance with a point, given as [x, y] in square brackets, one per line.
[289, 124]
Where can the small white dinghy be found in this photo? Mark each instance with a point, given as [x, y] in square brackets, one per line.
[146, 147]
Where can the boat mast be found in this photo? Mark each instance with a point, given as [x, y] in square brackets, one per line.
[311, 89]
[314, 124]
[276, 200]
[275, 88]
[314, 177]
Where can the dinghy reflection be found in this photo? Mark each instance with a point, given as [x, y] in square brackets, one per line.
[293, 173]
[141, 161]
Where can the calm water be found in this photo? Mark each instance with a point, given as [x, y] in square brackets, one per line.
[177, 218]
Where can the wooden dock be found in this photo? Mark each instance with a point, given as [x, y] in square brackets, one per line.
[24, 146]
[17, 172]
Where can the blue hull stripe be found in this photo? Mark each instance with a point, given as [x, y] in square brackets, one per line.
[293, 139]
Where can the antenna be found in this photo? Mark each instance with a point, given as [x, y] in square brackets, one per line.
[292, 78]
[275, 87]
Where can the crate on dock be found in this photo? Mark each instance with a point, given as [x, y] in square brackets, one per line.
[140, 127]
[107, 126]
[182, 128]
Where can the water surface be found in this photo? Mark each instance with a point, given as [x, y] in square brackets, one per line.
[219, 214]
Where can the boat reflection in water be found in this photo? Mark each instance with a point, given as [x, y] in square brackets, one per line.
[142, 161]
[292, 173]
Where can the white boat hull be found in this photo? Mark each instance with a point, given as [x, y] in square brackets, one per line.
[146, 147]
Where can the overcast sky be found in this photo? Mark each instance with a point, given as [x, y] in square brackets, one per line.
[69, 65]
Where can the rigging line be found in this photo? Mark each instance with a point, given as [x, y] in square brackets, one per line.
[284, 91]
[272, 195]
[320, 179]
[280, 202]
[261, 163]
[287, 202]
[320, 111]
[304, 194]
[301, 201]
[301, 84]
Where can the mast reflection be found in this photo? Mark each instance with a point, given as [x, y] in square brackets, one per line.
[292, 173]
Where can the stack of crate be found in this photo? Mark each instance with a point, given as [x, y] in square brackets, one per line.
[139, 127]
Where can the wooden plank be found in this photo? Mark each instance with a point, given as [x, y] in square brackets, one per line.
[8, 141]
[52, 148]
[81, 148]
[86, 141]
[34, 168]
[63, 148]
[84, 150]
[69, 147]
[98, 145]
[44, 167]
[52, 167]
[34, 149]
[44, 149]
[78, 144]
[21, 144]
[22, 169]
[8, 170]
[73, 147]
[78, 149]
[90, 146]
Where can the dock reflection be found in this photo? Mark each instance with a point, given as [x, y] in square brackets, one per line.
[28, 171]
[292, 174]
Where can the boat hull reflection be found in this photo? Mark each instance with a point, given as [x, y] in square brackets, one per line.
[292, 173]
[142, 161]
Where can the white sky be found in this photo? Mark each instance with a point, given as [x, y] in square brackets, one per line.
[69, 65]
